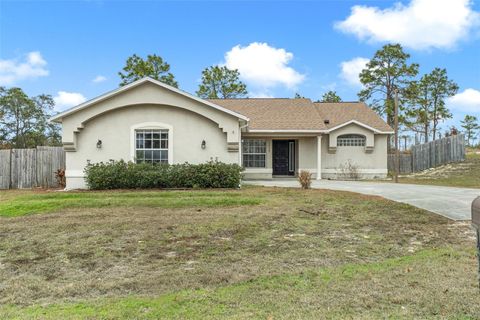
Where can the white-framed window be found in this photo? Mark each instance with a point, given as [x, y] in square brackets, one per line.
[254, 153]
[151, 145]
[351, 140]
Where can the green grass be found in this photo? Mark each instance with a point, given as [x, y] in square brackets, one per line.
[284, 296]
[463, 174]
[55, 201]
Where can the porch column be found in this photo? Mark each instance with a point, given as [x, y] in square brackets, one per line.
[240, 156]
[319, 157]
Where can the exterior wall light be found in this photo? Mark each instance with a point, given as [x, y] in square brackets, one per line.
[204, 144]
[99, 144]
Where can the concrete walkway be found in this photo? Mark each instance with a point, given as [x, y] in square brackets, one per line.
[453, 203]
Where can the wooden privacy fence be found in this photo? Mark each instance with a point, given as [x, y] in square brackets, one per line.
[29, 168]
[430, 155]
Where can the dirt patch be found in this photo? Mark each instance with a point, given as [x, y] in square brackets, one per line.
[444, 171]
[461, 174]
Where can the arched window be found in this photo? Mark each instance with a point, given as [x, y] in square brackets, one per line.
[351, 140]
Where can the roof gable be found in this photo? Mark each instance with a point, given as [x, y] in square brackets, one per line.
[58, 117]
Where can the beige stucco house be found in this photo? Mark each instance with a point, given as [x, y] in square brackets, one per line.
[149, 121]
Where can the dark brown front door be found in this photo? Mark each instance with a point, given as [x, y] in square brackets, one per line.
[283, 157]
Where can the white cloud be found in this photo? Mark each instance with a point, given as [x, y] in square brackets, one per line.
[260, 94]
[14, 70]
[422, 24]
[99, 78]
[332, 86]
[65, 99]
[263, 66]
[36, 59]
[351, 70]
[466, 101]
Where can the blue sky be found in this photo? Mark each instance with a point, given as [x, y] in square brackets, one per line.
[280, 48]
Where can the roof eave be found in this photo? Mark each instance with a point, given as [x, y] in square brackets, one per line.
[285, 131]
[366, 126]
[58, 117]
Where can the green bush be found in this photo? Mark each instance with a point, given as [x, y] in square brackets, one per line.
[129, 175]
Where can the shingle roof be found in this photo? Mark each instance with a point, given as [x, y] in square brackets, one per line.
[275, 114]
[301, 114]
[343, 112]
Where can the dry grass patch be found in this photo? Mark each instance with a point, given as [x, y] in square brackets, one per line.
[104, 253]
[462, 174]
[393, 288]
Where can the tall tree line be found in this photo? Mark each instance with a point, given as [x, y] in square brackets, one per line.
[472, 127]
[426, 98]
[24, 120]
[422, 101]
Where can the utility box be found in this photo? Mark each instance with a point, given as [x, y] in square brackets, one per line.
[476, 225]
[476, 213]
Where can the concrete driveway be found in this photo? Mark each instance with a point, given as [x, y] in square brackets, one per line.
[453, 203]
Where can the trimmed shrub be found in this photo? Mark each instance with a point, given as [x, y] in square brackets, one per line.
[129, 175]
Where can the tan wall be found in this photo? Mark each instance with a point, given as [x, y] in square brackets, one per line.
[372, 164]
[351, 129]
[145, 94]
[307, 154]
[115, 129]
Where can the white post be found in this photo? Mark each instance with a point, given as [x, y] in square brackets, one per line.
[240, 148]
[319, 157]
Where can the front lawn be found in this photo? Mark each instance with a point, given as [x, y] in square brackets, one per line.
[256, 253]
